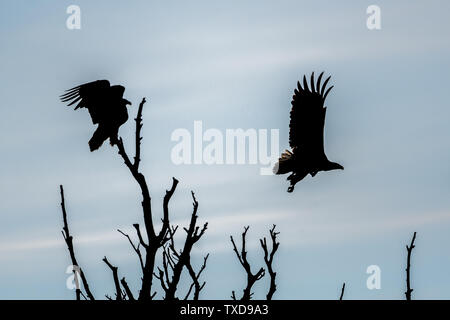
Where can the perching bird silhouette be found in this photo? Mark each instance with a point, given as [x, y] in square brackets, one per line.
[306, 133]
[106, 106]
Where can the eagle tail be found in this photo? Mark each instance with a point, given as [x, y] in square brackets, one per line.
[285, 163]
[97, 139]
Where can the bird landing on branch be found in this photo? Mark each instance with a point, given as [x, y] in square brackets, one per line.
[106, 106]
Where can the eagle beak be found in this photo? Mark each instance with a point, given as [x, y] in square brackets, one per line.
[127, 102]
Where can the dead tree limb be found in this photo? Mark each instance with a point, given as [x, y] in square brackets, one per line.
[408, 268]
[135, 248]
[195, 276]
[162, 236]
[127, 289]
[342, 291]
[155, 241]
[116, 279]
[152, 248]
[140, 179]
[138, 232]
[173, 260]
[251, 278]
[268, 259]
[138, 119]
[69, 241]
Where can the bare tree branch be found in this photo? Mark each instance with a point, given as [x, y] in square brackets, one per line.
[69, 241]
[408, 267]
[167, 197]
[138, 232]
[195, 277]
[174, 261]
[342, 291]
[116, 279]
[268, 259]
[160, 277]
[146, 200]
[82, 294]
[154, 241]
[138, 119]
[242, 257]
[127, 289]
[189, 291]
[135, 248]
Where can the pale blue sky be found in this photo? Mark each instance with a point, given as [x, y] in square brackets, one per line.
[232, 65]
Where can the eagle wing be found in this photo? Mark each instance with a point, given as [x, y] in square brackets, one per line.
[95, 96]
[308, 116]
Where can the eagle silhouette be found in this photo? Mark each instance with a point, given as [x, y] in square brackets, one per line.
[106, 106]
[306, 129]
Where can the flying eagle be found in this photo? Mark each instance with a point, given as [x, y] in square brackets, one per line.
[106, 106]
[306, 133]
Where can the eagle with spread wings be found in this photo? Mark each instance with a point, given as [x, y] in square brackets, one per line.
[306, 130]
[106, 106]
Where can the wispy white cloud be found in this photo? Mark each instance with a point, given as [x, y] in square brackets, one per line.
[297, 230]
[217, 227]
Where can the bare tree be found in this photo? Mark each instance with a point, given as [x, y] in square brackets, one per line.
[252, 278]
[268, 259]
[408, 268]
[163, 239]
[174, 261]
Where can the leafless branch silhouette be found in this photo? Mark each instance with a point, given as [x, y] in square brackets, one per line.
[69, 241]
[128, 292]
[268, 259]
[135, 248]
[342, 292]
[174, 260]
[119, 294]
[251, 277]
[408, 268]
